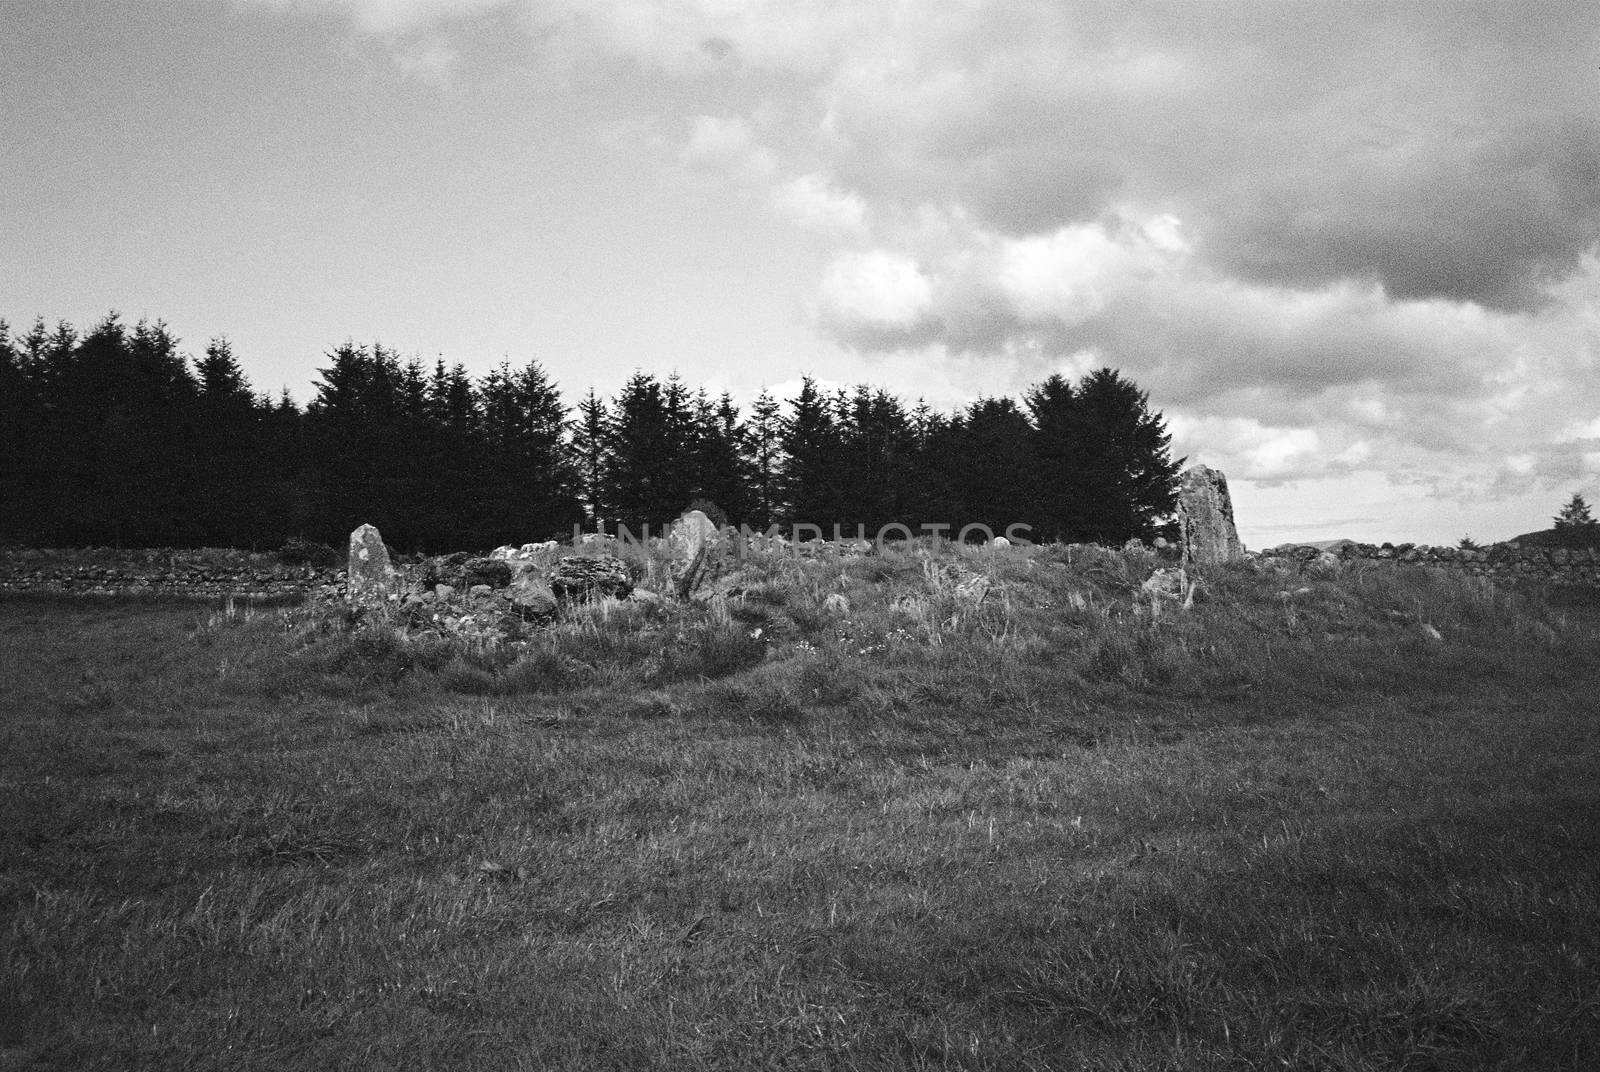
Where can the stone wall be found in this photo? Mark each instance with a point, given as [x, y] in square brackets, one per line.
[207, 573]
[214, 574]
[1502, 561]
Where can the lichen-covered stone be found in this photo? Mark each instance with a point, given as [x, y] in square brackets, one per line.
[369, 577]
[691, 534]
[531, 597]
[1206, 533]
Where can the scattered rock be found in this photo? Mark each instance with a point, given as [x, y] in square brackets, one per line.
[1207, 535]
[999, 541]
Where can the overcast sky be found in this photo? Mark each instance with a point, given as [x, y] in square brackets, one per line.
[1349, 249]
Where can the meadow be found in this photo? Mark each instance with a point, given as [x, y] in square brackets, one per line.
[933, 808]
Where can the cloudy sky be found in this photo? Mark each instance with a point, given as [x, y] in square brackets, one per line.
[1349, 249]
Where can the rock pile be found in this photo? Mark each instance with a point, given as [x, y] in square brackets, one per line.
[488, 597]
[590, 576]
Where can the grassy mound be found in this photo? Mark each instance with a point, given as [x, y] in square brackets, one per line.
[935, 631]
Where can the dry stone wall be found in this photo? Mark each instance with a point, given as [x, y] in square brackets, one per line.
[192, 574]
[1502, 561]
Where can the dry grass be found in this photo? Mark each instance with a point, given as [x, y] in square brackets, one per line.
[848, 818]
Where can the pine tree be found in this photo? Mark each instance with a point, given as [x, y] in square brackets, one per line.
[930, 495]
[717, 453]
[993, 466]
[1575, 514]
[226, 506]
[810, 437]
[1105, 474]
[17, 423]
[591, 432]
[763, 437]
[524, 425]
[646, 475]
[1057, 454]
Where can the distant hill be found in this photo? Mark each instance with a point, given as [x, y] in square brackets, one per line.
[1571, 537]
[1321, 545]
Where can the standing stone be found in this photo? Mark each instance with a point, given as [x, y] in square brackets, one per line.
[369, 579]
[1206, 533]
[691, 534]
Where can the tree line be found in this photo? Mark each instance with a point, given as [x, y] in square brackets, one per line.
[114, 436]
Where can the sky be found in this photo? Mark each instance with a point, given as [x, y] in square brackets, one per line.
[1351, 250]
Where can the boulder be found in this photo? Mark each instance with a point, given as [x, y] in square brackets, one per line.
[1206, 531]
[494, 572]
[1326, 564]
[531, 597]
[369, 577]
[590, 576]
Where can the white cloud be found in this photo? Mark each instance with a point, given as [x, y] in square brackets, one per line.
[394, 17]
[815, 203]
[726, 143]
[433, 61]
[875, 290]
[1074, 272]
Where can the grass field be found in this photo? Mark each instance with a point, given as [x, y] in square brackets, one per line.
[847, 819]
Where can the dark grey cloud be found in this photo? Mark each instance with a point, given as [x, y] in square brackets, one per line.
[1440, 150]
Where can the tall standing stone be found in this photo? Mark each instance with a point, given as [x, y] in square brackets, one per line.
[1206, 533]
[692, 537]
[692, 533]
[369, 579]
